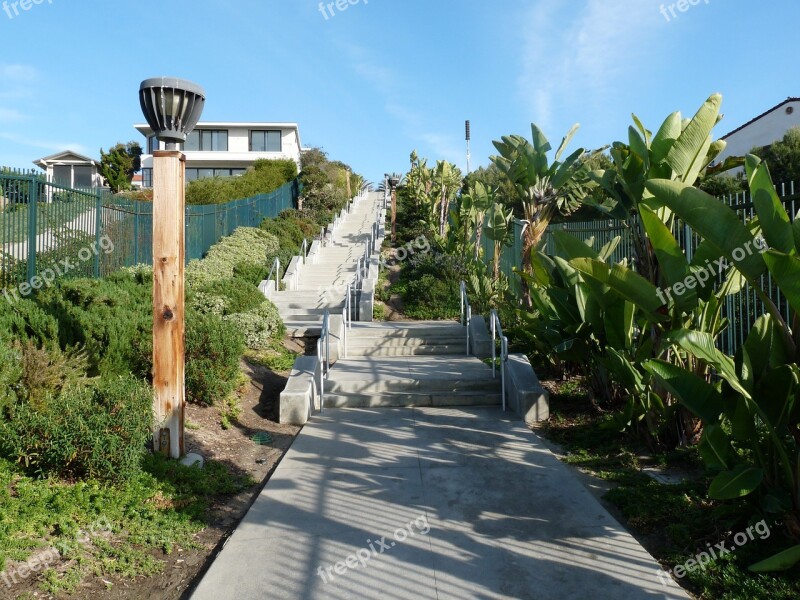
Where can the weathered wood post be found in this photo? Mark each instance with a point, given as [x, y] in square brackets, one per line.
[172, 108]
[168, 300]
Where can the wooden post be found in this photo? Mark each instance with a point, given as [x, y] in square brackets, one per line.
[349, 189]
[168, 301]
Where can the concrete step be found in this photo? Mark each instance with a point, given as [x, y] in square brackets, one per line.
[411, 399]
[425, 350]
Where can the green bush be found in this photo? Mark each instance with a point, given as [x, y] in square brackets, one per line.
[237, 295]
[96, 432]
[431, 297]
[259, 326]
[213, 349]
[263, 177]
[252, 273]
[10, 376]
[111, 318]
[246, 244]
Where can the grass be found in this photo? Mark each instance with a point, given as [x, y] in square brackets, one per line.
[54, 215]
[677, 521]
[106, 530]
[276, 358]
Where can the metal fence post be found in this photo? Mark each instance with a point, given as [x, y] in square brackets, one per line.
[33, 201]
[98, 224]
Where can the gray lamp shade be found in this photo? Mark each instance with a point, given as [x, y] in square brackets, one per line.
[172, 107]
[394, 181]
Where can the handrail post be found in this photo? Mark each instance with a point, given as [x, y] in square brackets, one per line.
[327, 343]
[492, 319]
[469, 319]
[504, 359]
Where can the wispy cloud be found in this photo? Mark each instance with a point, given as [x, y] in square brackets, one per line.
[578, 51]
[43, 144]
[9, 115]
[19, 81]
[415, 123]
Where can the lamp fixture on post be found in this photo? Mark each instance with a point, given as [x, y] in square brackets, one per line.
[394, 181]
[172, 108]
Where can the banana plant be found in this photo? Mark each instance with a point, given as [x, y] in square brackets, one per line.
[500, 229]
[545, 189]
[752, 416]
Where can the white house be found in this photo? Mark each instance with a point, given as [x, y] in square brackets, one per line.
[765, 129]
[71, 169]
[221, 149]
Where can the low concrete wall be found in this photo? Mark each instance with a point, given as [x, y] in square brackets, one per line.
[292, 275]
[366, 300]
[526, 396]
[301, 395]
[267, 287]
[480, 341]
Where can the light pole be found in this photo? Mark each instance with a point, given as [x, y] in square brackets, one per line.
[469, 153]
[172, 108]
[394, 181]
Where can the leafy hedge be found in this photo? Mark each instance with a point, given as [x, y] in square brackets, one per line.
[99, 431]
[265, 176]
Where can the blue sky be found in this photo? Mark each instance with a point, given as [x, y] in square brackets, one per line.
[383, 77]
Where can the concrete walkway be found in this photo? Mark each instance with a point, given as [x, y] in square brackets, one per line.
[440, 503]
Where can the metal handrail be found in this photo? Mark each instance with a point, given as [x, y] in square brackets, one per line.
[324, 365]
[466, 311]
[304, 249]
[276, 268]
[497, 331]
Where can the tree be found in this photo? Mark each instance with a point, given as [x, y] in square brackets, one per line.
[783, 157]
[118, 166]
[545, 189]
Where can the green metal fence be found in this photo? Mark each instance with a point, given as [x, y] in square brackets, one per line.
[50, 231]
[741, 309]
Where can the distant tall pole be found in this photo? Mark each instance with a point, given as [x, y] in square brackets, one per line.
[469, 155]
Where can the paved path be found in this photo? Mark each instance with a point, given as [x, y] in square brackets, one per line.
[492, 514]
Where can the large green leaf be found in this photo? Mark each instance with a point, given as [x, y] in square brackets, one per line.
[702, 346]
[782, 561]
[785, 270]
[714, 221]
[715, 447]
[688, 153]
[625, 282]
[570, 247]
[740, 482]
[775, 223]
[694, 392]
[671, 258]
[776, 393]
[639, 146]
[565, 142]
[665, 137]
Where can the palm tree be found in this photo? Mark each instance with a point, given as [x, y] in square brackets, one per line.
[544, 189]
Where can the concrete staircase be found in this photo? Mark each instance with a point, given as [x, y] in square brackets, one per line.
[411, 381]
[321, 281]
[396, 339]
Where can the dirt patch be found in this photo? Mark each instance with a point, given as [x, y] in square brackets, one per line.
[235, 447]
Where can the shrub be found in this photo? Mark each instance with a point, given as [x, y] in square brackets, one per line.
[259, 326]
[246, 244]
[111, 318]
[263, 177]
[213, 348]
[252, 273]
[430, 297]
[11, 373]
[237, 295]
[96, 432]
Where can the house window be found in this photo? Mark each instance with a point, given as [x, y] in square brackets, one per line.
[147, 178]
[62, 174]
[152, 144]
[83, 177]
[265, 141]
[207, 140]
